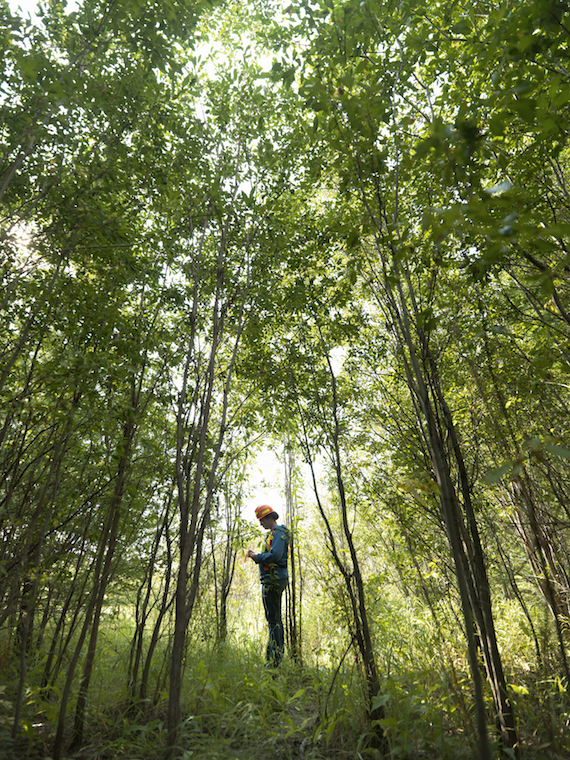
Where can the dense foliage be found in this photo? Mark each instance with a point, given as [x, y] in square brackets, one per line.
[337, 231]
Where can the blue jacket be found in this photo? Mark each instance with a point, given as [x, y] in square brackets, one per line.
[273, 561]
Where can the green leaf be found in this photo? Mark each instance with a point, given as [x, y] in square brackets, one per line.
[519, 689]
[380, 700]
[288, 77]
[493, 476]
[499, 330]
[558, 450]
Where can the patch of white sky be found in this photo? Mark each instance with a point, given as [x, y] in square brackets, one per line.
[266, 483]
[23, 7]
[29, 8]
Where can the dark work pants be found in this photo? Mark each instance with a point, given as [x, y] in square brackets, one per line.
[271, 596]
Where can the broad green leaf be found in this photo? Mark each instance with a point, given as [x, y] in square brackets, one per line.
[558, 450]
[494, 476]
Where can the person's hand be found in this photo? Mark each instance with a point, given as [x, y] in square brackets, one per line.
[250, 553]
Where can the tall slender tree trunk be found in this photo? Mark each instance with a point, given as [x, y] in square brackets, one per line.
[101, 577]
[24, 637]
[49, 675]
[165, 605]
[193, 507]
[196, 479]
[143, 602]
[460, 522]
[294, 589]
[228, 570]
[350, 572]
[125, 449]
[493, 663]
[546, 558]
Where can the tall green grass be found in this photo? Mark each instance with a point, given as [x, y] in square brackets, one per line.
[234, 708]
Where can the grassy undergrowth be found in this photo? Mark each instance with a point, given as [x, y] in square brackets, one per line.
[233, 708]
[236, 709]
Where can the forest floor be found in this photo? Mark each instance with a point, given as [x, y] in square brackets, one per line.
[236, 710]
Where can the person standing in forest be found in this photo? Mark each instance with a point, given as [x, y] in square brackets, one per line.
[274, 577]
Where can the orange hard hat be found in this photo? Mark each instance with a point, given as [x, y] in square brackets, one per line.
[263, 511]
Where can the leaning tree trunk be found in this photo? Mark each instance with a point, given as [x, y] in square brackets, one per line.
[460, 522]
[101, 578]
[546, 557]
[350, 571]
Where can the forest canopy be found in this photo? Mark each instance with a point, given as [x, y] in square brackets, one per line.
[331, 236]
